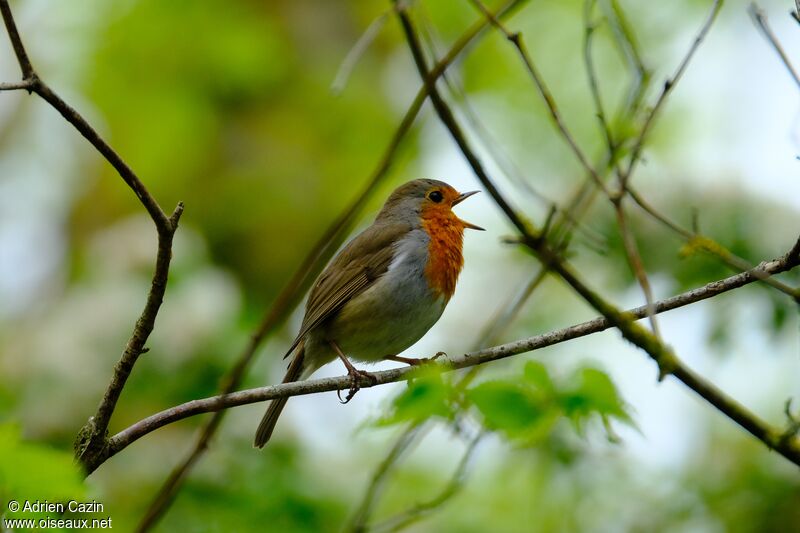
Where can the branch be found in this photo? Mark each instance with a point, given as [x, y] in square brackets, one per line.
[125, 438]
[760, 20]
[304, 275]
[16, 42]
[635, 262]
[359, 48]
[20, 85]
[92, 438]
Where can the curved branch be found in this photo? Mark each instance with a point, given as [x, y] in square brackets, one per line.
[790, 449]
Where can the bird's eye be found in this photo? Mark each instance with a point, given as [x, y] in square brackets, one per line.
[436, 196]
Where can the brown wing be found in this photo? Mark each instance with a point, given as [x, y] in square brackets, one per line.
[354, 270]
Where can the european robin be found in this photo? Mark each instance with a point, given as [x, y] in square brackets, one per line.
[383, 291]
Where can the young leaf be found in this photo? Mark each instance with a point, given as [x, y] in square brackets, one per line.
[427, 396]
[593, 393]
[536, 374]
[506, 407]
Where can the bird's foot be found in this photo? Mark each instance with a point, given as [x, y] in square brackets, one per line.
[414, 361]
[357, 378]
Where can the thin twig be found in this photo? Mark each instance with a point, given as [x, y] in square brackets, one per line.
[518, 42]
[355, 53]
[594, 84]
[446, 114]
[635, 262]
[760, 20]
[20, 85]
[125, 438]
[628, 45]
[374, 489]
[451, 489]
[708, 245]
[16, 42]
[668, 86]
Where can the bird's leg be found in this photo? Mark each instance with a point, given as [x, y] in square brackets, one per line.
[355, 374]
[413, 361]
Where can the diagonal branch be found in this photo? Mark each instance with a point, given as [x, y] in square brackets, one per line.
[16, 42]
[33, 83]
[91, 440]
[635, 263]
[790, 449]
[760, 19]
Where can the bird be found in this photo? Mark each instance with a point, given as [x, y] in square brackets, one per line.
[383, 291]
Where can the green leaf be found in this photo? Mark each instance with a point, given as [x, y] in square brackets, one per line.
[426, 396]
[593, 393]
[600, 390]
[536, 374]
[507, 407]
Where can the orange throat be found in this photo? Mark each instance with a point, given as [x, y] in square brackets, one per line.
[445, 260]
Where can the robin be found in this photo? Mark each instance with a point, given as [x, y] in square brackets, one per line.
[383, 291]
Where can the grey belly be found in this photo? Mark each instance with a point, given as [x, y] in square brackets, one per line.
[387, 318]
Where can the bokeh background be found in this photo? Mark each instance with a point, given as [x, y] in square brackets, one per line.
[229, 107]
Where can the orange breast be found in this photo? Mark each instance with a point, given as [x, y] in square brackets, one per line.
[444, 251]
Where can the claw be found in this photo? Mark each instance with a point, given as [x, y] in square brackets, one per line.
[356, 376]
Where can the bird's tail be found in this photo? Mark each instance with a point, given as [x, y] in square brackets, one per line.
[267, 424]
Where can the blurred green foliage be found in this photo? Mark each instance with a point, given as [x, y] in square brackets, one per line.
[227, 107]
[31, 472]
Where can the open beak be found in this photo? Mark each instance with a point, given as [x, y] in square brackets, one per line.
[461, 197]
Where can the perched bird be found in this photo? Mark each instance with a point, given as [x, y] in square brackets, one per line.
[383, 291]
